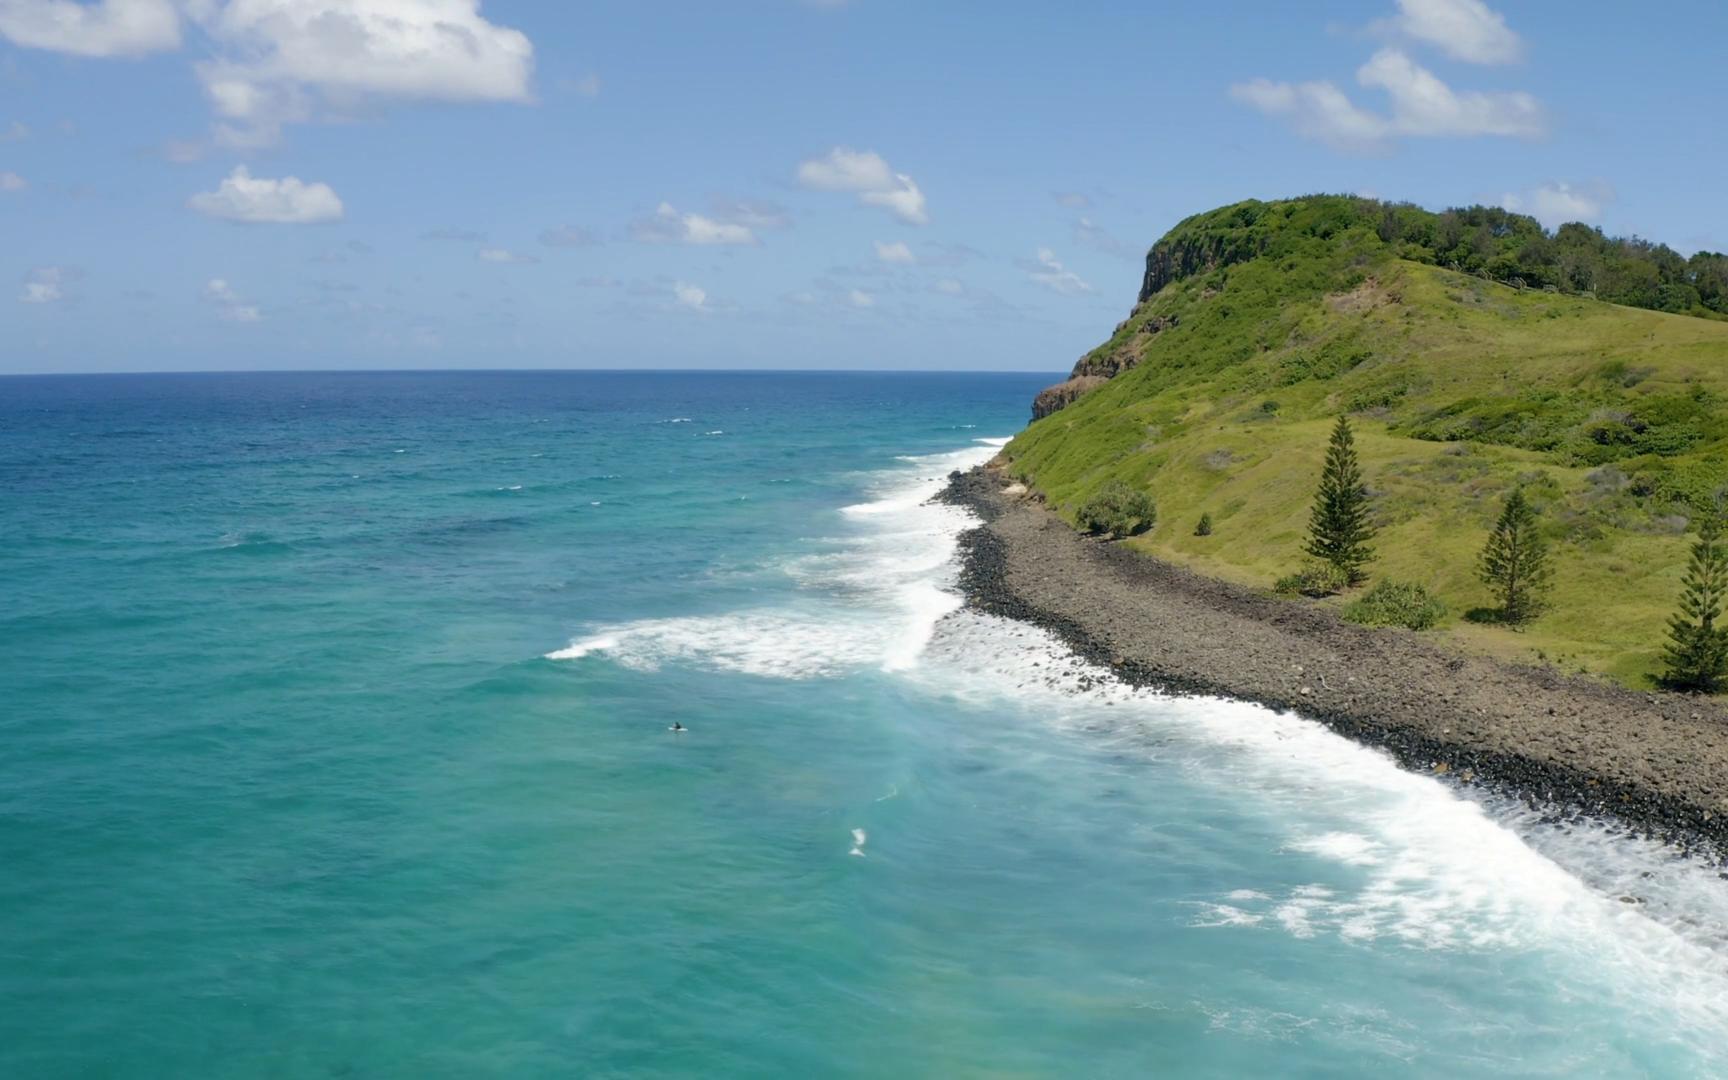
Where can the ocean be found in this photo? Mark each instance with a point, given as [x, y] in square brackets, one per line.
[334, 742]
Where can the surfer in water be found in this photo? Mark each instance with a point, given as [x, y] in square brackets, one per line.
[676, 726]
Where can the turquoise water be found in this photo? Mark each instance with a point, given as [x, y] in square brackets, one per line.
[334, 729]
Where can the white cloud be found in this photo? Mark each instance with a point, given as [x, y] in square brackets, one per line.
[107, 28]
[280, 58]
[228, 303]
[905, 202]
[1422, 106]
[1467, 30]
[1560, 202]
[950, 287]
[45, 285]
[867, 175]
[11, 181]
[1050, 273]
[693, 297]
[858, 298]
[845, 169]
[243, 197]
[16, 131]
[896, 253]
[1316, 110]
[668, 226]
[504, 255]
[752, 213]
[1073, 200]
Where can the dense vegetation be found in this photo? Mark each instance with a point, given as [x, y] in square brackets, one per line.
[1484, 241]
[1267, 321]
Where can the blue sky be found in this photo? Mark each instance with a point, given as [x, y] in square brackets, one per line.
[237, 184]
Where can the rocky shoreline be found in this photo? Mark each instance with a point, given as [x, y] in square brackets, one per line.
[1571, 747]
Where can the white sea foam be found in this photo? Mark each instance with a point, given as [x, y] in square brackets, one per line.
[578, 649]
[859, 839]
[870, 599]
[1427, 865]
[1224, 915]
[1411, 861]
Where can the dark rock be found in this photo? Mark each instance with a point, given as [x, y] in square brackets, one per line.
[1063, 394]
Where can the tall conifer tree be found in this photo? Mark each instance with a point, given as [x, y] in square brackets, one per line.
[1697, 652]
[1338, 527]
[1514, 562]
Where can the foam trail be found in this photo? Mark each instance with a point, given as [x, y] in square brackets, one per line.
[871, 600]
[579, 649]
[1431, 868]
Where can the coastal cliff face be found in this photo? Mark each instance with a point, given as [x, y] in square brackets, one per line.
[1063, 394]
[1102, 364]
[1199, 245]
[1183, 254]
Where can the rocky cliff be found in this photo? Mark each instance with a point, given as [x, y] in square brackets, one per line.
[1102, 364]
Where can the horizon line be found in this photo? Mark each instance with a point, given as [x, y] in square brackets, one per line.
[531, 371]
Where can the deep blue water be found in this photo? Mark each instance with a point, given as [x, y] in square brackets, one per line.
[333, 742]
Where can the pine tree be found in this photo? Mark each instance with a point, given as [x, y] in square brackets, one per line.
[1338, 528]
[1514, 562]
[1697, 650]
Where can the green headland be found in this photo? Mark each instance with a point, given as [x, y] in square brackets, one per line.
[1473, 352]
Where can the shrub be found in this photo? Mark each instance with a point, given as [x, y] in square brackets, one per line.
[1117, 510]
[1205, 526]
[1397, 603]
[1313, 579]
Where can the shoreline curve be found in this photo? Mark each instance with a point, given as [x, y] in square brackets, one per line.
[1654, 763]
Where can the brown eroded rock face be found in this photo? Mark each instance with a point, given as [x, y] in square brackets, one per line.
[1063, 394]
[1101, 365]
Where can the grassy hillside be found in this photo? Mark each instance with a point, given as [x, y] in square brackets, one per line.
[1615, 419]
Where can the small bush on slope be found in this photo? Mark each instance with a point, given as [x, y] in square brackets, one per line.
[1397, 603]
[1118, 510]
[1314, 579]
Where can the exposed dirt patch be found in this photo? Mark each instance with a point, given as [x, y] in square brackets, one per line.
[1364, 297]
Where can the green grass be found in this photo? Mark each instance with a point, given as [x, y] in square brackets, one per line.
[1615, 419]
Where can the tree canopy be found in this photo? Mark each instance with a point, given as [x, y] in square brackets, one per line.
[1487, 241]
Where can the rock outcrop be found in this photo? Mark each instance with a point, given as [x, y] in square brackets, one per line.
[1101, 365]
[1063, 394]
